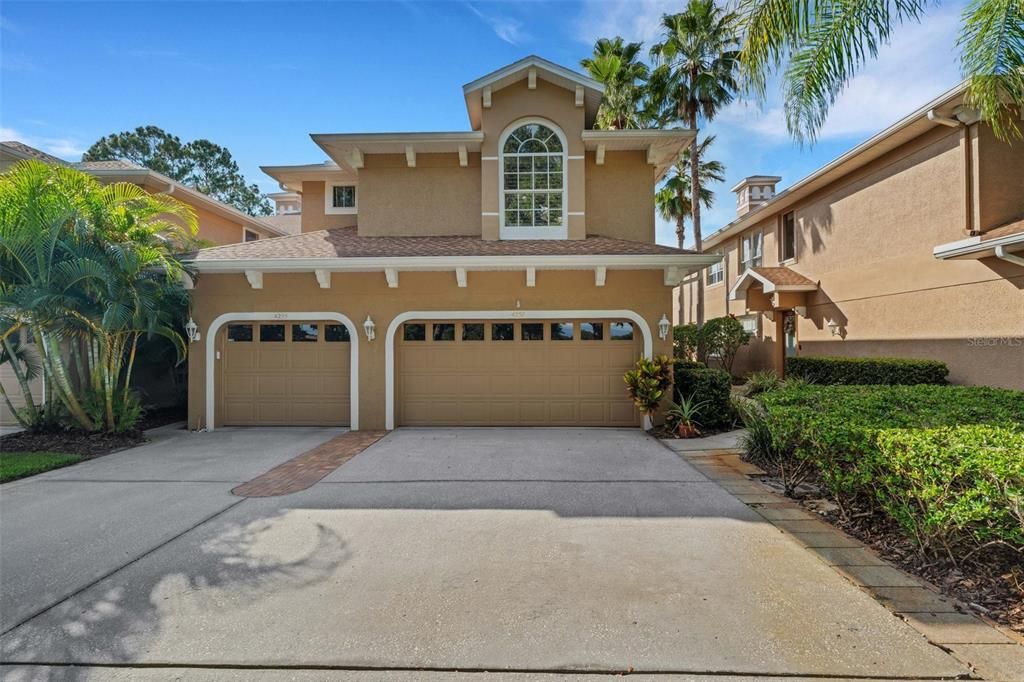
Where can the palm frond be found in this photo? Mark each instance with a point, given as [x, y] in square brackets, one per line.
[992, 60]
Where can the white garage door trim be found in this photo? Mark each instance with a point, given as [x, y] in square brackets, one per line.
[389, 340]
[221, 320]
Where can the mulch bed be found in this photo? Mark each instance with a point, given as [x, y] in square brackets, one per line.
[88, 445]
[991, 582]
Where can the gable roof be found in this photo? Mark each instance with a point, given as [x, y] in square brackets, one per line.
[901, 132]
[771, 280]
[118, 170]
[20, 150]
[518, 70]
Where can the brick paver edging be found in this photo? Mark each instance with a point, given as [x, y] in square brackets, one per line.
[303, 471]
[991, 652]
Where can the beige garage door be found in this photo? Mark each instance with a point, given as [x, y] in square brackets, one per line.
[284, 373]
[527, 373]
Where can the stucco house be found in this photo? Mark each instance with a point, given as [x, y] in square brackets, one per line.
[219, 223]
[910, 245]
[503, 275]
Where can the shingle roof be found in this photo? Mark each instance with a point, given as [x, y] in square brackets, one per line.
[783, 276]
[23, 149]
[115, 164]
[345, 242]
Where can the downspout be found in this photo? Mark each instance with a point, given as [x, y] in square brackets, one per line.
[1003, 254]
[965, 140]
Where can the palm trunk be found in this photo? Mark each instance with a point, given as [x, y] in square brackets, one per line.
[26, 390]
[59, 379]
[695, 209]
[681, 238]
[10, 407]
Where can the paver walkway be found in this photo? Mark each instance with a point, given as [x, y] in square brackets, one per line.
[309, 467]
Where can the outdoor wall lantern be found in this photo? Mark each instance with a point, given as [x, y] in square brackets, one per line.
[663, 327]
[192, 330]
[370, 328]
[833, 326]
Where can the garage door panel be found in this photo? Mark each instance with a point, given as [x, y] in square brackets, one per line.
[284, 382]
[538, 382]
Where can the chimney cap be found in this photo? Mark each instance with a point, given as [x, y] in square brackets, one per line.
[756, 180]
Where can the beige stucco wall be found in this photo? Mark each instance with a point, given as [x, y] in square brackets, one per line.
[360, 294]
[437, 197]
[313, 215]
[1000, 178]
[868, 239]
[217, 229]
[620, 196]
[547, 101]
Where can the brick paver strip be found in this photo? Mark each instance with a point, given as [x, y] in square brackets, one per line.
[303, 471]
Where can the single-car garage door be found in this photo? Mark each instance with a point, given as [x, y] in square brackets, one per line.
[522, 372]
[284, 373]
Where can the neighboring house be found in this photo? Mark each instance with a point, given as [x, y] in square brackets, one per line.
[219, 223]
[503, 275]
[287, 211]
[909, 245]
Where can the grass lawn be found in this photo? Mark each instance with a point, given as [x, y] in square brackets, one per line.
[20, 464]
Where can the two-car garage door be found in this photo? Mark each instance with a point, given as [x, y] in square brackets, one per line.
[522, 372]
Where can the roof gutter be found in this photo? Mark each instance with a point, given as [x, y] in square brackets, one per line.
[1003, 254]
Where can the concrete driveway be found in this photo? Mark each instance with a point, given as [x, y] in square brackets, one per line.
[528, 550]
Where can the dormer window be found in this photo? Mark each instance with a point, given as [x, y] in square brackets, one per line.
[533, 197]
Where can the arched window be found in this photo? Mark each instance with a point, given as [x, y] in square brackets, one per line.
[533, 180]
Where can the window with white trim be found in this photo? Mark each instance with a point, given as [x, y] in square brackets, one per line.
[750, 253]
[533, 180]
[750, 324]
[249, 236]
[787, 237]
[716, 272]
[340, 198]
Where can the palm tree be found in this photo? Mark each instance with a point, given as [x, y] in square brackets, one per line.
[92, 267]
[673, 199]
[819, 46]
[614, 64]
[698, 61]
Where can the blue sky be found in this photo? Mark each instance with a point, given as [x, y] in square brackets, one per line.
[257, 77]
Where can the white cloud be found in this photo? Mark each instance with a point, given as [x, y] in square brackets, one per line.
[67, 148]
[506, 28]
[634, 20]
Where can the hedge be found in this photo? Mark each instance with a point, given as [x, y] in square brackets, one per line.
[945, 462]
[827, 370]
[712, 386]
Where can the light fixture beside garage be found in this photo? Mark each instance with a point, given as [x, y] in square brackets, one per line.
[370, 328]
[192, 330]
[664, 326]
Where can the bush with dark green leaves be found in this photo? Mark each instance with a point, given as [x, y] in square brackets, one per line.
[827, 370]
[945, 462]
[712, 387]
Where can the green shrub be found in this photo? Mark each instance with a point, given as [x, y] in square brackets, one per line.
[723, 337]
[951, 484]
[690, 364]
[945, 462]
[838, 370]
[762, 382]
[712, 387]
[648, 382]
